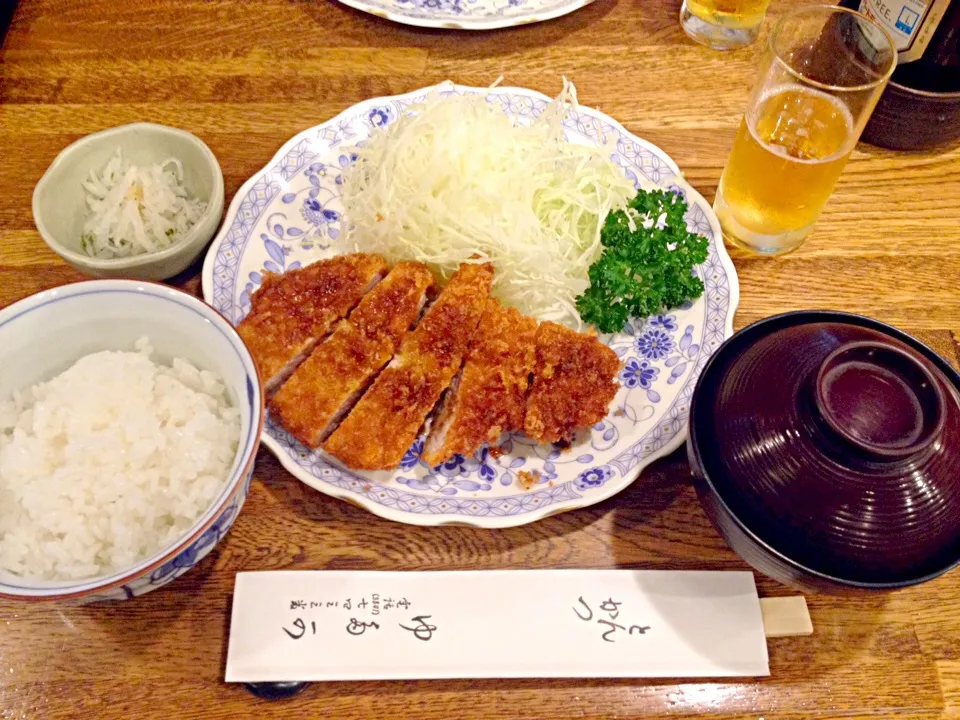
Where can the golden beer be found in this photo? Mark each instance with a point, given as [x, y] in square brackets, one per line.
[789, 151]
[729, 13]
[723, 24]
[814, 92]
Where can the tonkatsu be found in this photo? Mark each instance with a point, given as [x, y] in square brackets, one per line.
[489, 396]
[386, 420]
[328, 384]
[573, 384]
[290, 313]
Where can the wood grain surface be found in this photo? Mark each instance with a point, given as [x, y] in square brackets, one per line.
[246, 75]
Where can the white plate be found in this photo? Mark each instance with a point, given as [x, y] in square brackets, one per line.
[467, 14]
[289, 214]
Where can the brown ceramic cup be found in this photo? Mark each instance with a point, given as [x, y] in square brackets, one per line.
[909, 119]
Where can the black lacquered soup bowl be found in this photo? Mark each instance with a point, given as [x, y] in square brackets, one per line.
[825, 448]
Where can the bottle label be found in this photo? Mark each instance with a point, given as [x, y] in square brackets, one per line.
[911, 23]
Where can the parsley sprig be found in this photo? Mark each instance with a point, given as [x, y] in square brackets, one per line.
[645, 270]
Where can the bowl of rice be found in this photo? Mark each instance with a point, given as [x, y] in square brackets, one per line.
[135, 201]
[130, 417]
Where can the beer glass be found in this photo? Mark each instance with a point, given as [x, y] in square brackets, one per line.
[823, 73]
[723, 24]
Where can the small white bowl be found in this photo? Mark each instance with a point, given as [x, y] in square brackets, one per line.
[59, 208]
[42, 335]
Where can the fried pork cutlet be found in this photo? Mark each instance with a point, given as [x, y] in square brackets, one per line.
[290, 313]
[490, 395]
[573, 384]
[328, 384]
[386, 420]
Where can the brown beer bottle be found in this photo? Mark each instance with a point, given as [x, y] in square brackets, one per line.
[920, 109]
[927, 37]
[938, 68]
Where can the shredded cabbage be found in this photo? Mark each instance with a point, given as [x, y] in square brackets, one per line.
[454, 179]
[137, 210]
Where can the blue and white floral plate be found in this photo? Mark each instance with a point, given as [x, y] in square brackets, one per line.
[467, 14]
[290, 214]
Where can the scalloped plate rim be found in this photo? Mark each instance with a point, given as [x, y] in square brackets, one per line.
[487, 521]
[473, 25]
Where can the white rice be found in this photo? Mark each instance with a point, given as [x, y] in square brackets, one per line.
[110, 462]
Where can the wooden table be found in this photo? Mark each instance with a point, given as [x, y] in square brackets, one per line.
[246, 76]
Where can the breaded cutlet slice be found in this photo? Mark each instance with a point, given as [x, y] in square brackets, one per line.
[328, 384]
[573, 383]
[290, 313]
[489, 397]
[386, 420]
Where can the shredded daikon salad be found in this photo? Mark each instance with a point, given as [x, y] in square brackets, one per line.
[454, 179]
[136, 210]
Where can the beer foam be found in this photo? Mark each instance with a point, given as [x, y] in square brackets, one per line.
[781, 151]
